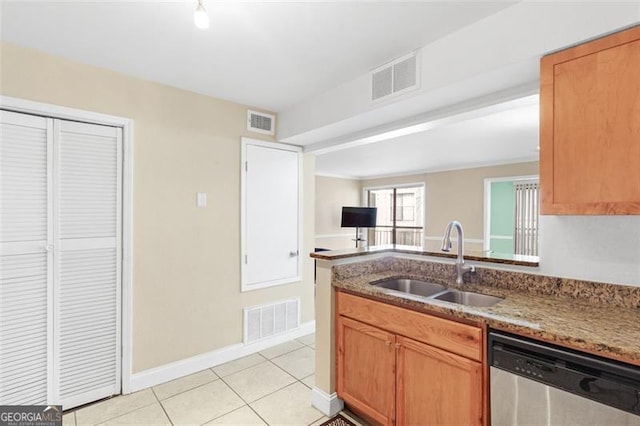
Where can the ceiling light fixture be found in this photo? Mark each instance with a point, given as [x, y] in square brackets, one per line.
[201, 17]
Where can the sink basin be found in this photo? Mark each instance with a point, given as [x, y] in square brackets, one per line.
[407, 286]
[420, 290]
[468, 298]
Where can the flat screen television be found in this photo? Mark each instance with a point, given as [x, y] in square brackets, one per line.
[359, 217]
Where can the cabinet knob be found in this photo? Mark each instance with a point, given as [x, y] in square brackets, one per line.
[388, 342]
[293, 253]
[397, 345]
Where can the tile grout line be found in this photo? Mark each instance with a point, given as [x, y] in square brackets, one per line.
[269, 394]
[297, 380]
[220, 377]
[187, 390]
[243, 400]
[317, 420]
[314, 372]
[284, 353]
[300, 380]
[289, 385]
[121, 414]
[124, 414]
[162, 406]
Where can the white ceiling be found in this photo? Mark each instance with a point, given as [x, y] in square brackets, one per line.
[270, 55]
[499, 134]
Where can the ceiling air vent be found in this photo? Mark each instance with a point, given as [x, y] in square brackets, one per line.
[261, 122]
[397, 77]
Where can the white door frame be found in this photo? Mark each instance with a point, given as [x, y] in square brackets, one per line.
[60, 112]
[486, 245]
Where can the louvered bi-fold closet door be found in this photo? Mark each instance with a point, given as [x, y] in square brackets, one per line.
[87, 181]
[60, 239]
[25, 261]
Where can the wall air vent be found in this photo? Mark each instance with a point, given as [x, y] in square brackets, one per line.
[261, 122]
[395, 78]
[270, 320]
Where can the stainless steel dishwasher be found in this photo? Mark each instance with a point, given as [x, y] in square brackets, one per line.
[534, 383]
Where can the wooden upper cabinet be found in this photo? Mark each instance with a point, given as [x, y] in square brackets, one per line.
[590, 127]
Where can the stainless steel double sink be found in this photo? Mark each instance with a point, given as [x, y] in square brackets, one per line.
[415, 289]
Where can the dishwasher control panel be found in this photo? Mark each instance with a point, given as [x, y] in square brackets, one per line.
[521, 365]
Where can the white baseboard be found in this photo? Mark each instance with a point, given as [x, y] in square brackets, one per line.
[184, 367]
[329, 405]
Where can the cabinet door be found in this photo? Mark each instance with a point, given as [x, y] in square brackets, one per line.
[590, 127]
[366, 369]
[436, 387]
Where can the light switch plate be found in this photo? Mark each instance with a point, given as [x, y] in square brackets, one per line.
[201, 199]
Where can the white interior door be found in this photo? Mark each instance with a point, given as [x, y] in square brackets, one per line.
[87, 271]
[25, 263]
[60, 277]
[271, 214]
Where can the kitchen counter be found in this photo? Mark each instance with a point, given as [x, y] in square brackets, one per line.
[602, 319]
[519, 260]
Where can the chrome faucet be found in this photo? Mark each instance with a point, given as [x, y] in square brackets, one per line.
[461, 269]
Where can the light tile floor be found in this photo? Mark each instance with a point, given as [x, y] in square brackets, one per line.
[272, 387]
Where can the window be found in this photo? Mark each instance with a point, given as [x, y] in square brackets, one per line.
[405, 207]
[511, 215]
[400, 215]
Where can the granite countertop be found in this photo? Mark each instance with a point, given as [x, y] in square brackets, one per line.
[599, 328]
[519, 260]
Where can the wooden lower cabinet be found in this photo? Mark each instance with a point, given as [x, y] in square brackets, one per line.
[396, 380]
[366, 369]
[435, 387]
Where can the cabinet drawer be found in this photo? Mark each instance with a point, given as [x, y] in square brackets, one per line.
[461, 339]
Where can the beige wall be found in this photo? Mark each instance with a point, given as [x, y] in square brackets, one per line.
[186, 261]
[456, 194]
[331, 195]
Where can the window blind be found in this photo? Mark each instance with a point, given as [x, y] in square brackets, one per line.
[525, 237]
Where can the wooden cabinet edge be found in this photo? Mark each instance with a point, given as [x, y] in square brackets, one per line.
[546, 137]
[425, 311]
[486, 379]
[604, 42]
[586, 209]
